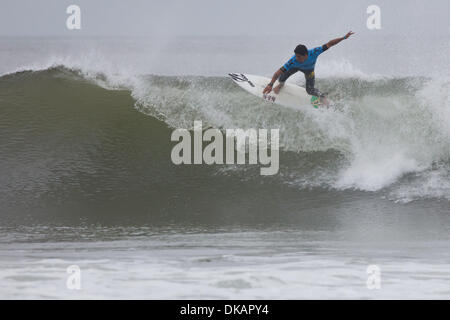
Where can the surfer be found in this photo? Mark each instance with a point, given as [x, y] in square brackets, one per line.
[303, 60]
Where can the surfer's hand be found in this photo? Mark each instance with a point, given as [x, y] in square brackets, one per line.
[348, 34]
[267, 89]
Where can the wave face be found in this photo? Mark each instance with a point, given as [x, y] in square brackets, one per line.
[388, 135]
[386, 130]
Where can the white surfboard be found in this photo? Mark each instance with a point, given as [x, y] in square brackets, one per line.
[290, 95]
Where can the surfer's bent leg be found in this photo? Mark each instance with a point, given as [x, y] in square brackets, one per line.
[310, 81]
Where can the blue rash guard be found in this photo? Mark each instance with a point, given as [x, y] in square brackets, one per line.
[307, 67]
[308, 64]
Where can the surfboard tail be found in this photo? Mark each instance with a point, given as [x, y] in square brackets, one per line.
[239, 77]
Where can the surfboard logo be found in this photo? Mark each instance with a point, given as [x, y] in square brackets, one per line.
[240, 78]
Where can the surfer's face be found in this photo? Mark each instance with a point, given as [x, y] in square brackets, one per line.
[301, 58]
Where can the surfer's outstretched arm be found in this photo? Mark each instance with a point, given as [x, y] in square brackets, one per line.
[275, 77]
[337, 40]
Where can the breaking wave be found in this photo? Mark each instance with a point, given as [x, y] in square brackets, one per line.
[389, 135]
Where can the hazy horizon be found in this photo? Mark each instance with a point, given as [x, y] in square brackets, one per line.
[173, 18]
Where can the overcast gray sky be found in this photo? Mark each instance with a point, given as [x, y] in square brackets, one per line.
[222, 17]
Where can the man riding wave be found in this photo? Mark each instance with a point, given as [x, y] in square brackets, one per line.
[303, 60]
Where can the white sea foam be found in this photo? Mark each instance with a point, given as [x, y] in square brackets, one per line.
[161, 267]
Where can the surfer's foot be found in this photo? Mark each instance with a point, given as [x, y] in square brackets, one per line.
[325, 101]
[278, 88]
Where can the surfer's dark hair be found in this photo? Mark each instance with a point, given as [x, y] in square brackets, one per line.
[301, 49]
